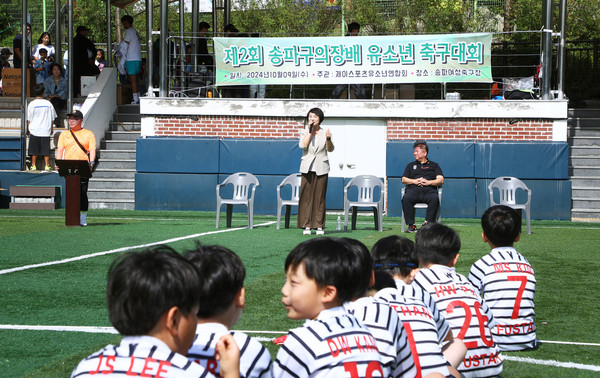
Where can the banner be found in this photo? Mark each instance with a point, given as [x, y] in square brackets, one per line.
[354, 60]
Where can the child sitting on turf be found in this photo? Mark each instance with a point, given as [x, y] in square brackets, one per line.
[457, 299]
[152, 301]
[222, 295]
[427, 332]
[319, 278]
[506, 280]
[379, 317]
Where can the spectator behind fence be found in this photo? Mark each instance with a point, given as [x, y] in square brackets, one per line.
[56, 87]
[22, 56]
[41, 67]
[223, 298]
[359, 90]
[133, 55]
[44, 43]
[40, 117]
[4, 57]
[100, 59]
[152, 301]
[204, 57]
[82, 61]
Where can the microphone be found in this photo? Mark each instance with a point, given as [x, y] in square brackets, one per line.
[310, 128]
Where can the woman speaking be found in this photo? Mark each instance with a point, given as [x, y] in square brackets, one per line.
[314, 166]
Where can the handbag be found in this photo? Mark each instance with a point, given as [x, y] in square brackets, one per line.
[93, 168]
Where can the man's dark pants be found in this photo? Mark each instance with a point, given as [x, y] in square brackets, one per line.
[411, 197]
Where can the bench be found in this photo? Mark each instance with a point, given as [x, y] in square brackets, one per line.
[33, 197]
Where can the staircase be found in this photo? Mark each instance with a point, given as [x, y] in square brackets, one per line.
[113, 183]
[584, 142]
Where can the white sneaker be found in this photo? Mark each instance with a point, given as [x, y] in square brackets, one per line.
[320, 231]
[306, 231]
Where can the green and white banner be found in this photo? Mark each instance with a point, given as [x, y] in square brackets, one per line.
[353, 60]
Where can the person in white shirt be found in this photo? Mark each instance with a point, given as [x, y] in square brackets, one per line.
[40, 118]
[133, 55]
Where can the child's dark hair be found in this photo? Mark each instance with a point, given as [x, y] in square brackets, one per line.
[38, 90]
[383, 280]
[353, 26]
[361, 253]
[328, 261]
[318, 112]
[437, 244]
[222, 275]
[396, 255]
[127, 18]
[143, 286]
[501, 225]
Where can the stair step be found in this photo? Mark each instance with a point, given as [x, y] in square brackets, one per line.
[111, 204]
[122, 135]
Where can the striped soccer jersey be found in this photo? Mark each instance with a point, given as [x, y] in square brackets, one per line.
[470, 318]
[138, 356]
[507, 283]
[416, 292]
[421, 329]
[388, 332]
[336, 344]
[255, 360]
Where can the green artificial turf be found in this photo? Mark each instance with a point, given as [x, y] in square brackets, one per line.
[71, 293]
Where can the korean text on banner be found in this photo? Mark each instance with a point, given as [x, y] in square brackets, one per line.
[354, 60]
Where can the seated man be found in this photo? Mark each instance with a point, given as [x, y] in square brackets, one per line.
[421, 177]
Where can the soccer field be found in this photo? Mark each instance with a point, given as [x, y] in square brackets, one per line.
[53, 281]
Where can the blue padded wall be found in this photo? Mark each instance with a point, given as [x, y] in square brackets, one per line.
[177, 155]
[10, 153]
[182, 173]
[550, 199]
[455, 158]
[167, 191]
[524, 160]
[458, 198]
[260, 156]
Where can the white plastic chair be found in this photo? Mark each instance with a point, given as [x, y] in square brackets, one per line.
[241, 181]
[422, 205]
[507, 187]
[294, 181]
[366, 185]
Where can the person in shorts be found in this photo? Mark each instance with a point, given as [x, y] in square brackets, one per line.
[133, 64]
[40, 118]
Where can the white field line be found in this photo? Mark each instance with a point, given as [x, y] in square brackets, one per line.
[111, 330]
[123, 249]
[568, 365]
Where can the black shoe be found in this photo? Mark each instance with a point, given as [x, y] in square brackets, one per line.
[411, 228]
[425, 224]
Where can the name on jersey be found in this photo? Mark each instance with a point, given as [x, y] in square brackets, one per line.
[514, 329]
[445, 290]
[513, 267]
[341, 344]
[210, 365]
[411, 310]
[484, 359]
[146, 367]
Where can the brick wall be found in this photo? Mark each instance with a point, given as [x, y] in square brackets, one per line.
[469, 129]
[397, 128]
[229, 127]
